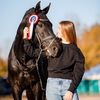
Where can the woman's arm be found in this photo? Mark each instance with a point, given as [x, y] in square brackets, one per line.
[29, 48]
[78, 70]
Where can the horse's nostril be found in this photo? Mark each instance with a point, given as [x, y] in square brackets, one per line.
[54, 48]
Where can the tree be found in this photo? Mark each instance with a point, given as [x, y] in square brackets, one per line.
[3, 67]
[90, 45]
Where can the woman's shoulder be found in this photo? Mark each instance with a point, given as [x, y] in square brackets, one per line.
[72, 47]
[77, 51]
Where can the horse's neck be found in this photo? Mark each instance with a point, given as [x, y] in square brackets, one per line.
[17, 47]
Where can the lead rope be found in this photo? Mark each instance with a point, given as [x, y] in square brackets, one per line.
[37, 64]
[38, 70]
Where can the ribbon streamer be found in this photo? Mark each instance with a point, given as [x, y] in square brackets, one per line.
[33, 19]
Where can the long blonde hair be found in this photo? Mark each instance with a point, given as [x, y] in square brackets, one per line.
[68, 31]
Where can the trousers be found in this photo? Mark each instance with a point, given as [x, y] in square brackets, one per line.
[56, 88]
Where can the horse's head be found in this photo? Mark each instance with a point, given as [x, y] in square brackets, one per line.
[42, 30]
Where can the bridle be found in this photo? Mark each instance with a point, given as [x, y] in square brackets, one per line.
[34, 19]
[47, 38]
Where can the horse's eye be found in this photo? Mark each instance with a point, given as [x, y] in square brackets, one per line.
[40, 24]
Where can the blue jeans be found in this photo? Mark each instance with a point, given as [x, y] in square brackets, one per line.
[56, 89]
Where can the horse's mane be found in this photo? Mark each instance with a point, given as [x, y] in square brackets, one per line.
[18, 42]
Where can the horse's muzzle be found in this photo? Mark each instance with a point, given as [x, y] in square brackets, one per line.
[55, 49]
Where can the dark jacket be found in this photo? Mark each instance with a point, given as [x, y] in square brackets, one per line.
[69, 65]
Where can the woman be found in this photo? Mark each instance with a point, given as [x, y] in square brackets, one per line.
[65, 72]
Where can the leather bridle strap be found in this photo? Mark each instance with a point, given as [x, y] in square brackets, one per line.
[47, 38]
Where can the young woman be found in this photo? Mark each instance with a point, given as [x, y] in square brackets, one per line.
[65, 72]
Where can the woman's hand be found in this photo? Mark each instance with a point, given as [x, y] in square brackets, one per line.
[25, 33]
[68, 96]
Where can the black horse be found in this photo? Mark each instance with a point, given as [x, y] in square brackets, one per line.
[24, 72]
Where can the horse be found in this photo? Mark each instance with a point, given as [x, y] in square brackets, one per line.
[24, 70]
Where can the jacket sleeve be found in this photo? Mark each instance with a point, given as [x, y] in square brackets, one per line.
[30, 49]
[78, 70]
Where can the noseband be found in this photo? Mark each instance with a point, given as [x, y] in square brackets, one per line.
[47, 38]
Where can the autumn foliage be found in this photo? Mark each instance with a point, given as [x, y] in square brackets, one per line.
[90, 45]
[3, 67]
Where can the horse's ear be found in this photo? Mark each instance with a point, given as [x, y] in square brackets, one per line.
[45, 10]
[37, 8]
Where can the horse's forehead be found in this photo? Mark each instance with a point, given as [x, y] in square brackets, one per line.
[32, 12]
[42, 16]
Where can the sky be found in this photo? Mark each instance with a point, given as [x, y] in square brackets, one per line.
[84, 13]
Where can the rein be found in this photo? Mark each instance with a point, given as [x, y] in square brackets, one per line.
[41, 50]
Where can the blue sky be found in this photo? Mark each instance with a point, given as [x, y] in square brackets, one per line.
[84, 13]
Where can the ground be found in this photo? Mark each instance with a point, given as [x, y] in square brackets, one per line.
[81, 97]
